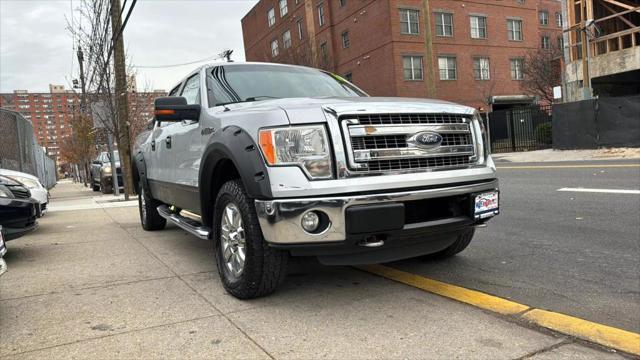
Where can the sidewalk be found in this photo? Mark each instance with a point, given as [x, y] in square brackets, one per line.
[550, 155]
[93, 284]
[73, 196]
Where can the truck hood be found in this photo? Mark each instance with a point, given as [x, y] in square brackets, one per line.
[305, 110]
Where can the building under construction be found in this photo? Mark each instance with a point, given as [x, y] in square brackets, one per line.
[602, 51]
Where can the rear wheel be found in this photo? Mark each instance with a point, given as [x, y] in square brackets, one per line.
[248, 267]
[460, 244]
[148, 207]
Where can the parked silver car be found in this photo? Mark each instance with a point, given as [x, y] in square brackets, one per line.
[282, 161]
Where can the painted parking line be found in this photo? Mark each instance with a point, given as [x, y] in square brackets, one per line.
[590, 166]
[604, 191]
[608, 336]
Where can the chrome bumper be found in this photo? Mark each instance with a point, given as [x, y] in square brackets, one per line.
[280, 219]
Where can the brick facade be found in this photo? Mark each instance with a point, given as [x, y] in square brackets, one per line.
[376, 46]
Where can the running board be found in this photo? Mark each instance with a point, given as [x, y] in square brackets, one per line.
[185, 223]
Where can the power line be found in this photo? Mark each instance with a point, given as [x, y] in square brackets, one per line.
[210, 58]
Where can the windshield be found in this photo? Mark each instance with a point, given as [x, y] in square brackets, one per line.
[241, 83]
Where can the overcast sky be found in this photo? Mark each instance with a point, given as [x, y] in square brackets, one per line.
[36, 49]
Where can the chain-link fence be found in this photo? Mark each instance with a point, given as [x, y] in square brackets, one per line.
[19, 150]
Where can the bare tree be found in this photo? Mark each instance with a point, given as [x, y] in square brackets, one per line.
[93, 32]
[541, 72]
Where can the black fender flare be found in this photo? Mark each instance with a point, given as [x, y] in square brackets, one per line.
[140, 171]
[231, 144]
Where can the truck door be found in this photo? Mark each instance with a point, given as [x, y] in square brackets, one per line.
[160, 153]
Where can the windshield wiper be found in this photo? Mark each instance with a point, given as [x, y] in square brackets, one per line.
[255, 98]
[249, 99]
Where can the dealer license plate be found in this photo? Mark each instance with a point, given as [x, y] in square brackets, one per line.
[486, 205]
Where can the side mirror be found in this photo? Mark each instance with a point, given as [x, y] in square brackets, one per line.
[174, 109]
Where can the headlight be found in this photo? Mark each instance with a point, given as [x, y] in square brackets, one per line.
[304, 146]
[482, 142]
[29, 183]
[5, 193]
[106, 170]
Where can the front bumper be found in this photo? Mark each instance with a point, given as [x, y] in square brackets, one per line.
[356, 217]
[18, 217]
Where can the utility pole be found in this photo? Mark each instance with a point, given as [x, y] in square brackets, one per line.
[83, 107]
[124, 142]
[227, 55]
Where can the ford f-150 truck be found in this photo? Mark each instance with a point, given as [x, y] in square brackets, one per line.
[270, 161]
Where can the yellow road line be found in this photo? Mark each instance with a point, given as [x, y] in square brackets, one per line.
[604, 335]
[571, 166]
[597, 333]
[472, 297]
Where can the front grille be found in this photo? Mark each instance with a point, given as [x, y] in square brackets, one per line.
[419, 163]
[19, 191]
[378, 142]
[387, 143]
[404, 119]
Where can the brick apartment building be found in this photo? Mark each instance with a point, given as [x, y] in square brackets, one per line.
[51, 113]
[462, 51]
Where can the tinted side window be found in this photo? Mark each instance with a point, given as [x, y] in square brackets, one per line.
[191, 90]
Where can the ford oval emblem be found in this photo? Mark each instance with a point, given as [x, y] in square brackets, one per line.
[426, 139]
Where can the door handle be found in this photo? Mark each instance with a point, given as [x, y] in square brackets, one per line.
[168, 140]
[153, 145]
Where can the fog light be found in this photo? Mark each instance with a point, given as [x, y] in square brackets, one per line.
[310, 221]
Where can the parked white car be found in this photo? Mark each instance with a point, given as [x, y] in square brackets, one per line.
[38, 192]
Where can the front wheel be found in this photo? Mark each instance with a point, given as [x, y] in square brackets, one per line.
[248, 267]
[148, 207]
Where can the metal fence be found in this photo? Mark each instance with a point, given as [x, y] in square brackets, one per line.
[520, 129]
[19, 150]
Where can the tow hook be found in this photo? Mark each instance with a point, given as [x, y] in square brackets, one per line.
[371, 241]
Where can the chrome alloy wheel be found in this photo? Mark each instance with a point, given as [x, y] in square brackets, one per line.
[233, 240]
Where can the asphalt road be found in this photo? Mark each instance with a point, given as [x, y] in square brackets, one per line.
[572, 252]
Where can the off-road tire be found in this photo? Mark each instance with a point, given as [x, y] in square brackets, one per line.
[460, 244]
[106, 188]
[94, 186]
[265, 267]
[150, 219]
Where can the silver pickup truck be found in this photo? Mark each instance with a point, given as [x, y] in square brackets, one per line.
[270, 161]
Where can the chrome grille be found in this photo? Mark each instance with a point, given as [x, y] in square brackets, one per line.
[422, 163]
[404, 119]
[378, 143]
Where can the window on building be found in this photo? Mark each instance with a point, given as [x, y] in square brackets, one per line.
[274, 48]
[559, 19]
[412, 66]
[478, 27]
[345, 39]
[349, 77]
[560, 43]
[286, 39]
[543, 16]
[271, 17]
[516, 69]
[481, 70]
[300, 30]
[321, 15]
[283, 8]
[514, 28]
[545, 42]
[409, 23]
[323, 52]
[444, 24]
[342, 3]
[447, 67]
